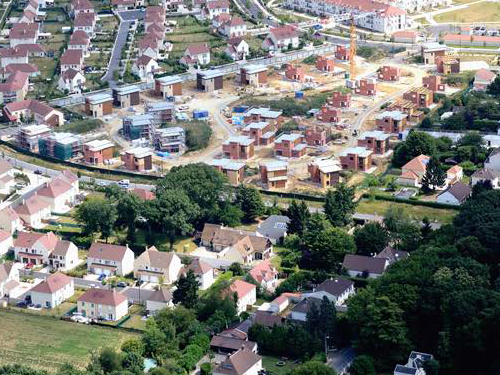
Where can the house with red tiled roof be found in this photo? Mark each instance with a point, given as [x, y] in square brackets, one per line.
[45, 248]
[110, 259]
[23, 33]
[235, 27]
[6, 177]
[158, 267]
[237, 48]
[266, 275]
[33, 211]
[31, 108]
[80, 40]
[149, 47]
[59, 194]
[85, 22]
[482, 79]
[204, 273]
[10, 220]
[243, 362]
[9, 276]
[6, 242]
[147, 195]
[72, 59]
[81, 6]
[33, 49]
[71, 81]
[406, 36]
[30, 69]
[220, 19]
[53, 291]
[28, 17]
[13, 55]
[123, 4]
[196, 54]
[159, 299]
[281, 38]
[103, 304]
[14, 88]
[246, 294]
[413, 171]
[215, 8]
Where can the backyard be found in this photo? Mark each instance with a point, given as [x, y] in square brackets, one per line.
[47, 343]
[480, 12]
[270, 364]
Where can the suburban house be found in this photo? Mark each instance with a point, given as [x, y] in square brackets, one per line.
[274, 228]
[237, 49]
[254, 75]
[389, 73]
[33, 211]
[85, 22]
[448, 64]
[64, 256]
[246, 293]
[377, 141]
[79, 40]
[455, 194]
[391, 122]
[105, 304]
[233, 170]
[10, 220]
[30, 69]
[14, 88]
[157, 266]
[72, 59]
[290, 145]
[159, 299]
[13, 55]
[9, 277]
[145, 67]
[23, 33]
[356, 158]
[280, 38]
[266, 275]
[238, 147]
[482, 79]
[366, 87]
[6, 242]
[262, 132]
[413, 171]
[422, 97]
[215, 8]
[325, 63]
[110, 259]
[364, 266]
[137, 159]
[430, 51]
[300, 310]
[225, 344]
[483, 175]
[415, 364]
[243, 362]
[337, 290]
[392, 255]
[204, 273]
[434, 83]
[99, 105]
[59, 194]
[493, 160]
[31, 108]
[280, 303]
[325, 172]
[196, 54]
[168, 86]
[7, 181]
[229, 242]
[98, 151]
[233, 28]
[53, 291]
[71, 81]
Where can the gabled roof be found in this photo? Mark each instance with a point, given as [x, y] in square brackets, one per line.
[484, 75]
[107, 251]
[23, 31]
[62, 248]
[392, 255]
[305, 305]
[29, 239]
[70, 74]
[197, 49]
[82, 5]
[363, 263]
[33, 105]
[16, 81]
[200, 267]
[227, 342]
[106, 297]
[264, 271]
[52, 283]
[5, 167]
[32, 205]
[284, 32]
[162, 295]
[459, 190]
[79, 37]
[54, 188]
[418, 163]
[21, 67]
[236, 21]
[156, 259]
[484, 174]
[241, 288]
[72, 57]
[336, 287]
[238, 363]
[143, 60]
[218, 4]
[84, 19]
[144, 194]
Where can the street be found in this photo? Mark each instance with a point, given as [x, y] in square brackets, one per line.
[114, 61]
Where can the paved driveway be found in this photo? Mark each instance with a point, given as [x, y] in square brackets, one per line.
[131, 15]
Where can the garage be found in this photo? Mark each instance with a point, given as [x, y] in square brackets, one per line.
[150, 279]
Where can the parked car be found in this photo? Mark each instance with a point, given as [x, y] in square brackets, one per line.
[124, 184]
[139, 282]
[122, 284]
[22, 304]
[37, 171]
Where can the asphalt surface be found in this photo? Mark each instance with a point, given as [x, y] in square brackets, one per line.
[114, 61]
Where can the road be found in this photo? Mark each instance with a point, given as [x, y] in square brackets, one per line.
[114, 61]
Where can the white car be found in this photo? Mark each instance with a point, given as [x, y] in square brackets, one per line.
[124, 184]
[183, 107]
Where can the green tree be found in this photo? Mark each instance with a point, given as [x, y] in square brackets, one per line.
[403, 232]
[236, 269]
[109, 360]
[96, 214]
[187, 290]
[362, 365]
[250, 202]
[312, 368]
[128, 210]
[299, 215]
[494, 87]
[417, 143]
[434, 176]
[431, 367]
[370, 239]
[340, 205]
[133, 345]
[173, 213]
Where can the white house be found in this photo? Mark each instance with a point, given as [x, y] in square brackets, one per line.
[10, 220]
[266, 275]
[6, 242]
[145, 67]
[233, 28]
[9, 276]
[493, 160]
[72, 81]
[482, 79]
[53, 291]
[59, 194]
[33, 210]
[246, 292]
[157, 266]
[215, 8]
[110, 259]
[242, 362]
[364, 266]
[280, 38]
[204, 273]
[7, 181]
[196, 54]
[455, 194]
[105, 304]
[483, 175]
[337, 290]
[64, 257]
[159, 300]
[237, 49]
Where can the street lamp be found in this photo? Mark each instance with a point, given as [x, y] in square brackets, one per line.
[326, 346]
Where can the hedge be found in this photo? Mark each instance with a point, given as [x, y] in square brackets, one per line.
[410, 201]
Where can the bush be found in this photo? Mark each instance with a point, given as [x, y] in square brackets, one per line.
[206, 368]
[198, 134]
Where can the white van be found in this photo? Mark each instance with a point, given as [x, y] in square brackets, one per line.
[124, 184]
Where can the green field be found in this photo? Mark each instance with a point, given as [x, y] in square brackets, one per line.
[481, 12]
[47, 343]
[269, 363]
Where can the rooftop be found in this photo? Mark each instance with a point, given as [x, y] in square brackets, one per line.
[254, 68]
[125, 90]
[396, 115]
[99, 98]
[140, 152]
[242, 140]
[99, 144]
[227, 164]
[360, 151]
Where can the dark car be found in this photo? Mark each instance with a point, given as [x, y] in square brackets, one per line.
[22, 304]
[139, 282]
[27, 298]
[122, 284]
[37, 172]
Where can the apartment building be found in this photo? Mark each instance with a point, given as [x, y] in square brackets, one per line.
[161, 112]
[62, 146]
[138, 126]
[28, 136]
[171, 140]
[262, 132]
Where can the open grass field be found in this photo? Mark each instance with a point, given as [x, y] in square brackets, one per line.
[47, 343]
[269, 363]
[379, 207]
[481, 12]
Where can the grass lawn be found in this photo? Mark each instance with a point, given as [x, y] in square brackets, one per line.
[47, 343]
[135, 322]
[269, 363]
[57, 312]
[379, 207]
[482, 12]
